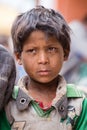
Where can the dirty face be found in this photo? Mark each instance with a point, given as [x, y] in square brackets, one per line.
[42, 57]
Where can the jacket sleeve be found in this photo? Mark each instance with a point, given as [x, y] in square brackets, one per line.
[81, 123]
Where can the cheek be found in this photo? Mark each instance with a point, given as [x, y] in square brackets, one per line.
[57, 63]
[29, 68]
[28, 64]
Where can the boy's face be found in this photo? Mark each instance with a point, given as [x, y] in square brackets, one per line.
[42, 57]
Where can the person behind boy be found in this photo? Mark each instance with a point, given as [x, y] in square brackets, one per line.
[7, 81]
[41, 40]
[7, 76]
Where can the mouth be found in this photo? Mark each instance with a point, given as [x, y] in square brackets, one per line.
[44, 72]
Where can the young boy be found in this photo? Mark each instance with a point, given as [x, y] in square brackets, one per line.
[43, 100]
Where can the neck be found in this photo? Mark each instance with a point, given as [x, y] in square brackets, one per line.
[42, 87]
[43, 92]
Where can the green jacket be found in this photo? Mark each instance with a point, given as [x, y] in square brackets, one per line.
[4, 124]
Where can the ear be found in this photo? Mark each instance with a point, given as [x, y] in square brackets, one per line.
[18, 58]
[66, 55]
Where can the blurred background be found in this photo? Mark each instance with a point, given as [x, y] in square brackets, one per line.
[71, 9]
[75, 13]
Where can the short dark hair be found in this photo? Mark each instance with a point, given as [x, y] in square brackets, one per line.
[40, 18]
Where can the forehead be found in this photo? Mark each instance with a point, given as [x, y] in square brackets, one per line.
[39, 35]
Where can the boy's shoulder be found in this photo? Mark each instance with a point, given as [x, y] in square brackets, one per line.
[73, 91]
[80, 106]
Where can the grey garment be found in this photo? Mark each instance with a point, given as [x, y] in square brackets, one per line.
[26, 118]
[7, 76]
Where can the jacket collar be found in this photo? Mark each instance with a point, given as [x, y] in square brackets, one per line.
[59, 102]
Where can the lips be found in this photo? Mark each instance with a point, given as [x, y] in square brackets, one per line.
[44, 72]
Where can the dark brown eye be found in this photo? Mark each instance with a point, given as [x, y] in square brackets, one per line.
[52, 49]
[31, 51]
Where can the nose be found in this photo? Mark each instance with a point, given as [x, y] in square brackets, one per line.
[43, 58]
